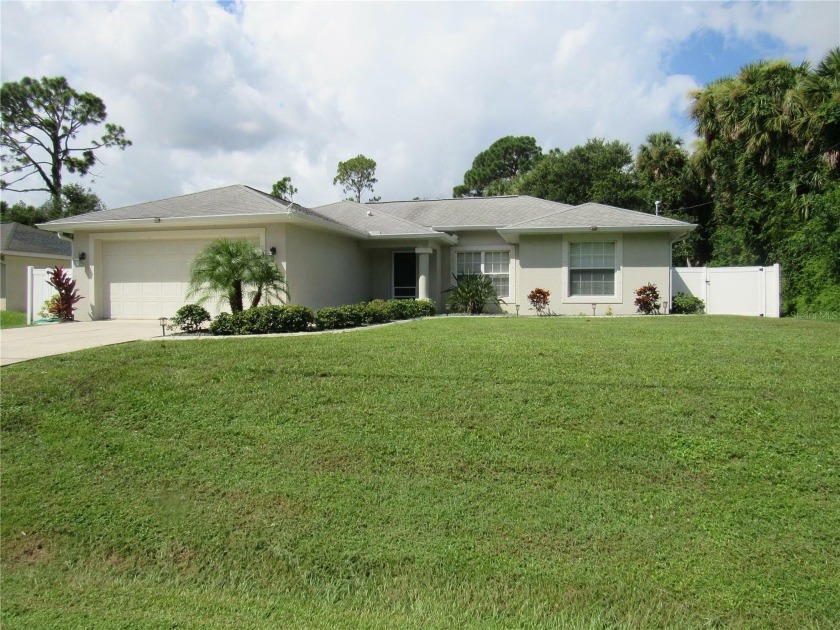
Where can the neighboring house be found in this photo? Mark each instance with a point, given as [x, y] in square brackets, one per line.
[22, 246]
[137, 258]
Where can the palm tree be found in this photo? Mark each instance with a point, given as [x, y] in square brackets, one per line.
[661, 156]
[819, 126]
[269, 281]
[225, 270]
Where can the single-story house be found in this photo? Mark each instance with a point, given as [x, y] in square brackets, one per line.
[136, 259]
[22, 246]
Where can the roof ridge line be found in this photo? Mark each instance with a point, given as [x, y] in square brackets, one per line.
[375, 203]
[387, 214]
[407, 222]
[550, 214]
[292, 205]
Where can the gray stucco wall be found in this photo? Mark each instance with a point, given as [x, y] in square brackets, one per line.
[325, 269]
[641, 258]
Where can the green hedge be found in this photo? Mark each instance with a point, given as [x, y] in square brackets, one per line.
[264, 320]
[285, 319]
[687, 304]
[377, 312]
[409, 309]
[335, 317]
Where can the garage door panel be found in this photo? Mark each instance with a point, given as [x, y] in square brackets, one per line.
[172, 291]
[149, 279]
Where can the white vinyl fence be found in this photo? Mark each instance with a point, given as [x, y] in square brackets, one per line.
[38, 291]
[732, 290]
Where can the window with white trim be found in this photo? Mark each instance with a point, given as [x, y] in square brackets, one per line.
[592, 268]
[493, 264]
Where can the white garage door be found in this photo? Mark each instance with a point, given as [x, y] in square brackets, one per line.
[148, 279]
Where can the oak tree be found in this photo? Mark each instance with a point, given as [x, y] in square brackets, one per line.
[494, 170]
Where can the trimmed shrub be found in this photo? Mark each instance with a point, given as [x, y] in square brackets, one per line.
[226, 324]
[256, 321]
[283, 319]
[189, 318]
[329, 318]
[424, 308]
[400, 309]
[270, 319]
[335, 317]
[687, 304]
[354, 315]
[295, 318]
[377, 312]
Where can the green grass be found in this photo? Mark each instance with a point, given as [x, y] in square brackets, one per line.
[654, 472]
[12, 319]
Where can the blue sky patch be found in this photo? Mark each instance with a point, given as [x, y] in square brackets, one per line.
[230, 6]
[708, 55]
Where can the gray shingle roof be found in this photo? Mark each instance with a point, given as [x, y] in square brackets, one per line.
[227, 201]
[369, 219]
[16, 237]
[396, 218]
[599, 215]
[470, 211]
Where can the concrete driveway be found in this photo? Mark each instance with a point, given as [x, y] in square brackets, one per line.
[33, 342]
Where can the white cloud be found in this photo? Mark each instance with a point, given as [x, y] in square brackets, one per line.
[212, 97]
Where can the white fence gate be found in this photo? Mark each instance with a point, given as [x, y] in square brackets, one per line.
[38, 290]
[732, 290]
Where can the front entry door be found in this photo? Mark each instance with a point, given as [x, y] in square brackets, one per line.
[405, 275]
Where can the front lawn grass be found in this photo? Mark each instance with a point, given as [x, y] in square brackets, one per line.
[12, 319]
[676, 472]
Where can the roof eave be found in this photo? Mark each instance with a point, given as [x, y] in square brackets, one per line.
[511, 234]
[13, 252]
[164, 222]
[449, 239]
[467, 228]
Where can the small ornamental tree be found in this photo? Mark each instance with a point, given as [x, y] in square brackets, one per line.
[647, 300]
[63, 307]
[539, 300]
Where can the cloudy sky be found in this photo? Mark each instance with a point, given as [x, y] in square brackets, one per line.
[248, 92]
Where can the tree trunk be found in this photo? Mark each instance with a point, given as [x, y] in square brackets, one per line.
[255, 301]
[236, 297]
[57, 162]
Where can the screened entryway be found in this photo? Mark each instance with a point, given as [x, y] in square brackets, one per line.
[404, 275]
